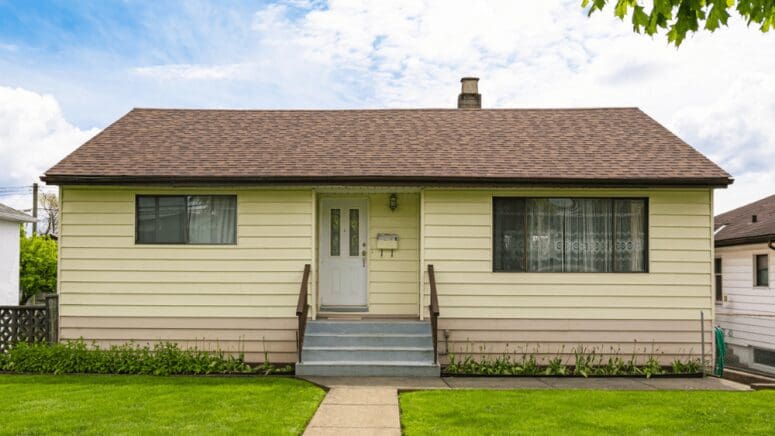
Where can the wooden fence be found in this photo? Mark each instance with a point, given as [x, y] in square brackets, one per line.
[32, 323]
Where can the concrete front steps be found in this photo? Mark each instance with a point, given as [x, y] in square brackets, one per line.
[368, 348]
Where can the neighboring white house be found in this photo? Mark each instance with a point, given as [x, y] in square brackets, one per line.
[9, 253]
[745, 283]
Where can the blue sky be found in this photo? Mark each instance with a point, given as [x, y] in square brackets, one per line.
[68, 69]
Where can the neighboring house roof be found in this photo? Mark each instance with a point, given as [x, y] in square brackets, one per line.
[738, 227]
[615, 146]
[11, 214]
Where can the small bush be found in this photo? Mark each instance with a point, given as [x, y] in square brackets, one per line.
[37, 265]
[161, 359]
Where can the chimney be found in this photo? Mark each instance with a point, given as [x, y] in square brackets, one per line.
[469, 97]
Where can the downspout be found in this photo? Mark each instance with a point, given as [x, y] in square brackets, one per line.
[421, 236]
[711, 280]
[314, 260]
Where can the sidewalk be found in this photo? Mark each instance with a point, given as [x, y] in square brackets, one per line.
[357, 411]
[602, 383]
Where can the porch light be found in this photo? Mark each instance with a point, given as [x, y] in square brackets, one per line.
[393, 204]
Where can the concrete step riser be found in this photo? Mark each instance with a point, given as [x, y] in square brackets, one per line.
[366, 348]
[367, 341]
[303, 369]
[367, 356]
[359, 328]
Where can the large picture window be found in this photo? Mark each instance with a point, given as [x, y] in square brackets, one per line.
[569, 234]
[186, 219]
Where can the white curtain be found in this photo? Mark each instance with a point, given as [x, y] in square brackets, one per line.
[629, 235]
[570, 235]
[544, 234]
[588, 231]
[212, 219]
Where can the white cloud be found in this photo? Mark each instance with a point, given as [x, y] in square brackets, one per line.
[738, 129]
[406, 53]
[715, 91]
[34, 135]
[195, 72]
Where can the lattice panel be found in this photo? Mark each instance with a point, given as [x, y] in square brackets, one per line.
[22, 324]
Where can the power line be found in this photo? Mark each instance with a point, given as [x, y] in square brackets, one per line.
[22, 189]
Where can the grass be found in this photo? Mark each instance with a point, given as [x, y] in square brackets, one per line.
[587, 412]
[104, 404]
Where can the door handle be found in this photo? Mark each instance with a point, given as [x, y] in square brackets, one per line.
[363, 256]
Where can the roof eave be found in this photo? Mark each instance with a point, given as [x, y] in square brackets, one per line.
[711, 182]
[17, 219]
[745, 240]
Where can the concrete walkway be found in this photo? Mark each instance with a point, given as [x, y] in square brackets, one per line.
[357, 411]
[369, 405]
[602, 383]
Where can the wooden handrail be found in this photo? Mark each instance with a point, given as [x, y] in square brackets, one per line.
[302, 309]
[434, 309]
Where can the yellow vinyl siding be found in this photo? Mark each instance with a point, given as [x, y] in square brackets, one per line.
[394, 281]
[104, 273]
[458, 241]
[258, 338]
[546, 339]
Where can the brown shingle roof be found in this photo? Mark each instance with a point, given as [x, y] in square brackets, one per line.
[739, 227]
[620, 145]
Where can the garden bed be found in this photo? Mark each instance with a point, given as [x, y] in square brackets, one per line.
[666, 375]
[583, 363]
[76, 357]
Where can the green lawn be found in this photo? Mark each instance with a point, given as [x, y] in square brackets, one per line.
[587, 412]
[155, 405]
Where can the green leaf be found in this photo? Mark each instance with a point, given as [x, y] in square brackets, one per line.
[639, 19]
[680, 17]
[622, 6]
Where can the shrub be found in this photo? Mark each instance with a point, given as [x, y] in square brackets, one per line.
[161, 359]
[588, 362]
[37, 265]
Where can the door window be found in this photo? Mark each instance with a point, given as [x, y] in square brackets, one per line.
[354, 231]
[335, 228]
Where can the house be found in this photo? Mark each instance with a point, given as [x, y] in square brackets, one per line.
[10, 220]
[744, 277]
[546, 229]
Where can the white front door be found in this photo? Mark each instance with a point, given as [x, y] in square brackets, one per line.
[343, 253]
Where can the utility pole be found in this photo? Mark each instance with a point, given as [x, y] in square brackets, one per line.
[35, 209]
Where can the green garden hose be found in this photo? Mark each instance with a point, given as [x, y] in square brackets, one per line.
[721, 352]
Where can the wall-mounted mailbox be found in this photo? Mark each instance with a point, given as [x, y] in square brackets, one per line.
[387, 241]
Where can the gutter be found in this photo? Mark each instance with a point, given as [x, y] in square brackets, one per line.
[715, 182]
[769, 239]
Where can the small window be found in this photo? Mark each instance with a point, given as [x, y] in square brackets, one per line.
[764, 357]
[762, 270]
[717, 273]
[181, 219]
